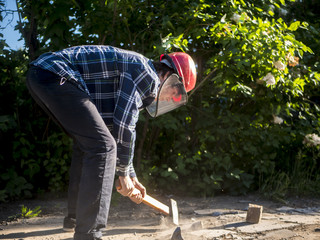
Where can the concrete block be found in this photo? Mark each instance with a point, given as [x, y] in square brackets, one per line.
[254, 213]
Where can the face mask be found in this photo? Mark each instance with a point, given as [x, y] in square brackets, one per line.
[171, 95]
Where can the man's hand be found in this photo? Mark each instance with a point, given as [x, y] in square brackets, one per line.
[128, 189]
[139, 186]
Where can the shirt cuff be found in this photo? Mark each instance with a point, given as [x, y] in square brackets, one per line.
[132, 172]
[126, 171]
[123, 171]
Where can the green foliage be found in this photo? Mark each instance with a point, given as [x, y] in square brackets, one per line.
[16, 186]
[245, 124]
[57, 161]
[26, 212]
[33, 158]
[30, 213]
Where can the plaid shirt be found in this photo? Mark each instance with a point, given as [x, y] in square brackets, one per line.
[120, 82]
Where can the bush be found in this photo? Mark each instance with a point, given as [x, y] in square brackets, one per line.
[244, 127]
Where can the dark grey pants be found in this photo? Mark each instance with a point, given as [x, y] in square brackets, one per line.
[94, 151]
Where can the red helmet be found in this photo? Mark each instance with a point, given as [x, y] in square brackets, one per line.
[184, 66]
[173, 90]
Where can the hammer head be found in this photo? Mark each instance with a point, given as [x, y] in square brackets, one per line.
[174, 212]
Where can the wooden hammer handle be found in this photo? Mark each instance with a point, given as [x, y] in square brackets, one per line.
[154, 203]
[150, 201]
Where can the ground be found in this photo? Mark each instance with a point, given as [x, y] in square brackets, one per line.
[221, 217]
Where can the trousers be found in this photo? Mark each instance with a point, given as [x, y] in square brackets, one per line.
[94, 155]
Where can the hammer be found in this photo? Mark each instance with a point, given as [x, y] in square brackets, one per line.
[155, 204]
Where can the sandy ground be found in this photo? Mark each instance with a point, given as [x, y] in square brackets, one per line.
[222, 217]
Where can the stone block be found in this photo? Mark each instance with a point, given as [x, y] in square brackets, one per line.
[254, 213]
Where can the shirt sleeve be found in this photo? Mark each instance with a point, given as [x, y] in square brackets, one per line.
[125, 117]
[135, 85]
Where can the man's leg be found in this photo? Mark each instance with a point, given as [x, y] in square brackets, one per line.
[69, 221]
[79, 117]
[74, 179]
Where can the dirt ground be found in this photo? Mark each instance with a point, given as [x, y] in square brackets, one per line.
[222, 217]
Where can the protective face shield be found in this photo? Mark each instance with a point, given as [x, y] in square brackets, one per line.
[171, 95]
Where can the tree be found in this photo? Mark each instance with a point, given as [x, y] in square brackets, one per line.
[245, 125]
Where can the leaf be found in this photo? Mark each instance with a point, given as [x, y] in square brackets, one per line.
[277, 5]
[294, 26]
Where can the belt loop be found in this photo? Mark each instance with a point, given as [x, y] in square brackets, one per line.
[62, 80]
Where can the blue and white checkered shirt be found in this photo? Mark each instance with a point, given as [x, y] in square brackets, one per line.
[118, 81]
